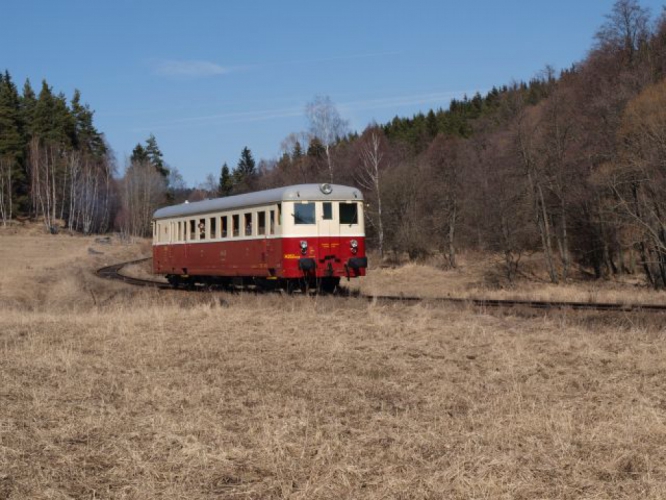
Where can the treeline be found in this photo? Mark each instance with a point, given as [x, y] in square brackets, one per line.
[571, 165]
[54, 164]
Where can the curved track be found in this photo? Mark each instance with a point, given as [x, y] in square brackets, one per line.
[113, 272]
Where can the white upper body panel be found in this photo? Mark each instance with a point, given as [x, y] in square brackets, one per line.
[304, 192]
[305, 210]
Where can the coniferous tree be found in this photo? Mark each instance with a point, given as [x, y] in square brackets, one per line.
[431, 124]
[155, 156]
[139, 154]
[226, 184]
[11, 146]
[245, 174]
[86, 136]
[297, 153]
[28, 103]
[316, 149]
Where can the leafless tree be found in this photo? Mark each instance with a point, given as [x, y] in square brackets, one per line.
[143, 191]
[626, 28]
[532, 163]
[638, 180]
[209, 186]
[370, 176]
[89, 182]
[445, 162]
[325, 124]
[43, 162]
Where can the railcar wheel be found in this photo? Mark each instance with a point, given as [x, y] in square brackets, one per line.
[291, 285]
[329, 285]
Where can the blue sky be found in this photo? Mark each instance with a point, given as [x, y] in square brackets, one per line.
[208, 78]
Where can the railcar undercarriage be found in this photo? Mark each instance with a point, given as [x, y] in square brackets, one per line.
[289, 285]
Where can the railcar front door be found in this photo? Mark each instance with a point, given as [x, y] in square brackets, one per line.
[328, 244]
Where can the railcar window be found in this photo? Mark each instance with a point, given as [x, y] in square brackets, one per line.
[213, 227]
[261, 223]
[304, 213]
[279, 220]
[235, 224]
[202, 229]
[224, 226]
[348, 213]
[247, 220]
[193, 230]
[328, 210]
[271, 222]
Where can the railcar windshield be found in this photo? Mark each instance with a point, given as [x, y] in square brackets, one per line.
[348, 213]
[304, 213]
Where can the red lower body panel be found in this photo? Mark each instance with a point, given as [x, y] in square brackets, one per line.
[269, 257]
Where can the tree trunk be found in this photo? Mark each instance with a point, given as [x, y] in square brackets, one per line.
[451, 236]
[544, 229]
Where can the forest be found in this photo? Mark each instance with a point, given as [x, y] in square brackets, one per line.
[571, 165]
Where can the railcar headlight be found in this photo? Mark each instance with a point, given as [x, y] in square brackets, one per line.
[354, 246]
[326, 188]
[304, 246]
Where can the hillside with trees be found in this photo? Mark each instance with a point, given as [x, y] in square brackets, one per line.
[572, 165]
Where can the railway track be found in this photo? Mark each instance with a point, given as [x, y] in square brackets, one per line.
[113, 273]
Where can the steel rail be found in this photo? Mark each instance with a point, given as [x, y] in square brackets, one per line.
[113, 273]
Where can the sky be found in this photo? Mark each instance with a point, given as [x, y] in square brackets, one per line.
[209, 78]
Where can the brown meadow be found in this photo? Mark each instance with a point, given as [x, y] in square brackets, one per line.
[107, 391]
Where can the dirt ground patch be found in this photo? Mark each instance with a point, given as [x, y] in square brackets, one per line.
[112, 392]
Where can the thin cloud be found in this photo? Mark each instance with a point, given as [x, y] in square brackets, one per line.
[225, 118]
[190, 69]
[405, 100]
[272, 114]
[200, 69]
[345, 57]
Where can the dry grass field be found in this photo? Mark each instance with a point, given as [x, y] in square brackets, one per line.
[482, 276]
[107, 391]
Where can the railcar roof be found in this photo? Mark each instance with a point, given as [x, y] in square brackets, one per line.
[305, 192]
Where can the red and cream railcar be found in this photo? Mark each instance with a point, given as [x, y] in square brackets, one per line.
[291, 236]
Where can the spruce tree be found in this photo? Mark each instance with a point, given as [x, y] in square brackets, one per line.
[226, 184]
[316, 148]
[11, 140]
[297, 152]
[139, 154]
[431, 124]
[245, 173]
[12, 144]
[246, 168]
[155, 156]
[28, 103]
[43, 113]
[86, 136]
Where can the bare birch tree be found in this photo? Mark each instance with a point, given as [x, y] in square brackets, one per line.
[325, 124]
[143, 191]
[370, 177]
